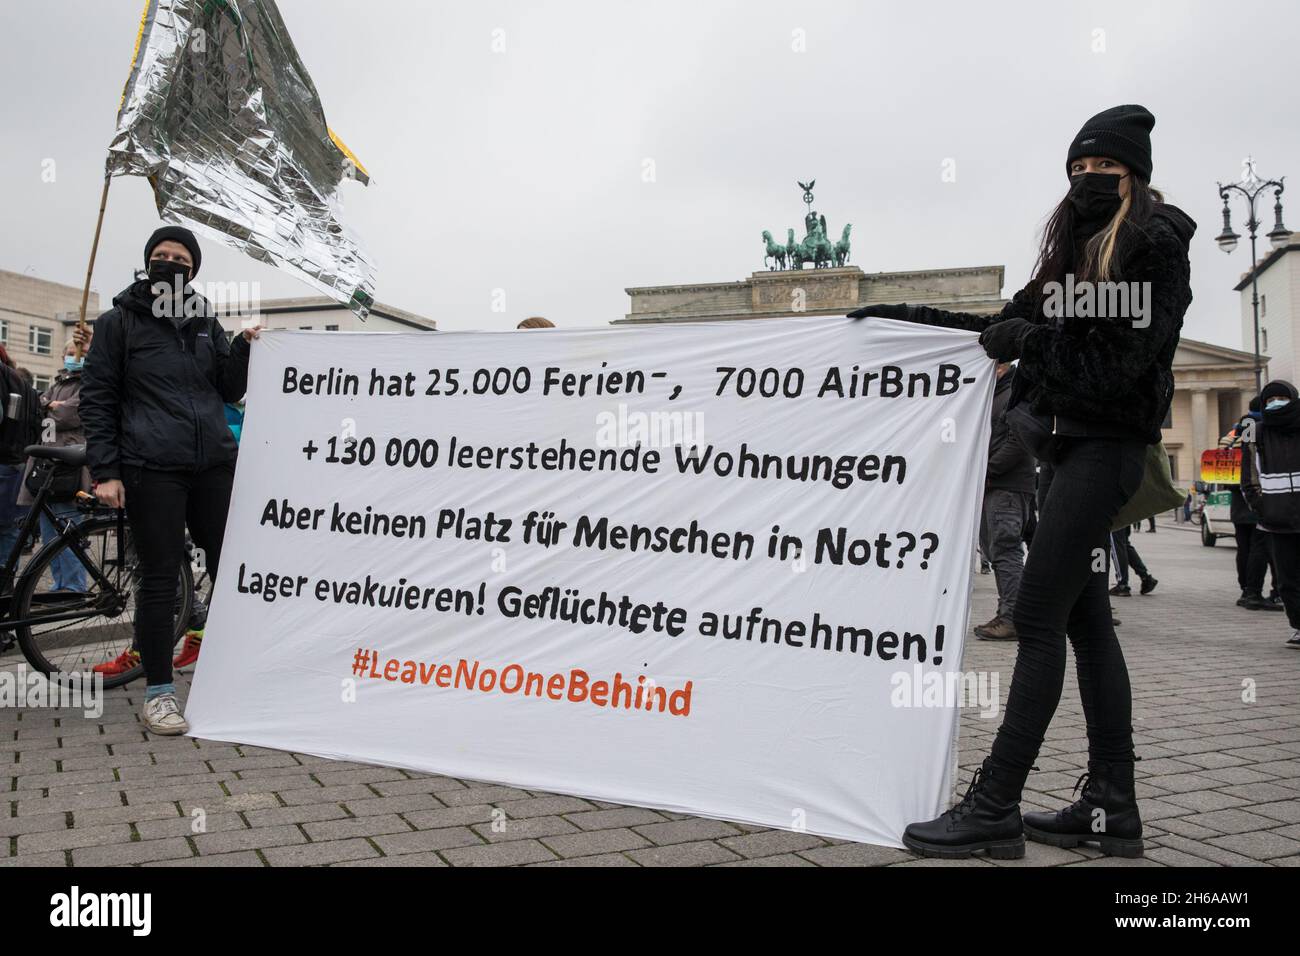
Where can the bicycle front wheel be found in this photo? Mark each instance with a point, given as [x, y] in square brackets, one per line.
[69, 631]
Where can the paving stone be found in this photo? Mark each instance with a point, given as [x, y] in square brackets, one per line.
[377, 825]
[406, 860]
[601, 860]
[408, 802]
[543, 806]
[613, 818]
[595, 842]
[46, 859]
[853, 854]
[512, 853]
[70, 839]
[771, 842]
[1231, 821]
[450, 816]
[228, 841]
[699, 853]
[416, 841]
[781, 859]
[506, 829]
[306, 813]
[186, 826]
[245, 858]
[685, 831]
[125, 854]
[320, 854]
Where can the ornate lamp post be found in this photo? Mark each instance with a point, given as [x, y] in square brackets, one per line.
[1251, 186]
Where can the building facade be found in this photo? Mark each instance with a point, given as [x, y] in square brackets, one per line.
[321, 314]
[36, 320]
[1278, 279]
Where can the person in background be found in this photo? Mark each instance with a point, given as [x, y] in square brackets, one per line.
[1269, 460]
[16, 434]
[61, 407]
[536, 322]
[1126, 556]
[1253, 554]
[159, 371]
[1008, 505]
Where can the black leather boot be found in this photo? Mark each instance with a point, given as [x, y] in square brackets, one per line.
[1106, 813]
[987, 818]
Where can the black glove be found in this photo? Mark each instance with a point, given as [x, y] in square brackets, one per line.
[1002, 340]
[902, 311]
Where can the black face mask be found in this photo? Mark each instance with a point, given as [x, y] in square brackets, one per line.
[163, 270]
[1095, 196]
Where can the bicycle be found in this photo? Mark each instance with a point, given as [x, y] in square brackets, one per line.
[61, 632]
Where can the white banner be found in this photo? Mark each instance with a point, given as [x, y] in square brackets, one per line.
[718, 569]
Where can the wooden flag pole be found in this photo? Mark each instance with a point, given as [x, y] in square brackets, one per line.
[94, 248]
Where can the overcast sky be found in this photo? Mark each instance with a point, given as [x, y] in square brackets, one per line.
[523, 170]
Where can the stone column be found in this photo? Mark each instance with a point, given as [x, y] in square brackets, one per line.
[1200, 421]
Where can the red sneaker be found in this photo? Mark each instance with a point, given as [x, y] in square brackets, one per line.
[189, 650]
[118, 665]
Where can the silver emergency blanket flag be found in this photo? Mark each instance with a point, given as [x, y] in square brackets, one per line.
[220, 115]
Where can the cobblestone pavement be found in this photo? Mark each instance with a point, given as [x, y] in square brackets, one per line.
[1216, 711]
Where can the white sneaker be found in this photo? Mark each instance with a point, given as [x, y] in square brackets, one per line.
[162, 715]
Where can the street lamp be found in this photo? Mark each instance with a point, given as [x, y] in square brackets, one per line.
[1251, 186]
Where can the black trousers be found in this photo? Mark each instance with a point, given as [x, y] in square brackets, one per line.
[1126, 556]
[1063, 594]
[159, 505]
[1252, 557]
[1286, 565]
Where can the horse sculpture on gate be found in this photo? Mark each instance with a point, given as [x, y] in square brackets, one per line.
[816, 247]
[774, 251]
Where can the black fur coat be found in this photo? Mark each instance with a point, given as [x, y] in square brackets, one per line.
[1106, 371]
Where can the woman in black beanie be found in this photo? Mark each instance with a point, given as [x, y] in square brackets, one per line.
[1091, 393]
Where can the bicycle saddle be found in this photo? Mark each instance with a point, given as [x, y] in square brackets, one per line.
[67, 454]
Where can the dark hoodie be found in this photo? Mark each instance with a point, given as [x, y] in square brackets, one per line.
[1011, 466]
[153, 389]
[1104, 376]
[1270, 463]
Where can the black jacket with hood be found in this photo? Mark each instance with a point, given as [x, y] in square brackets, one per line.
[153, 389]
[1011, 466]
[1270, 464]
[1104, 372]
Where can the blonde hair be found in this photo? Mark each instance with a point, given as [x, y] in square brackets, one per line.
[1099, 250]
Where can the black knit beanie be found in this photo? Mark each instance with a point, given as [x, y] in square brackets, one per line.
[175, 234]
[1122, 133]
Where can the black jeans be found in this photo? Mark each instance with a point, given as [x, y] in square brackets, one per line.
[1063, 593]
[1286, 565]
[1252, 557]
[159, 505]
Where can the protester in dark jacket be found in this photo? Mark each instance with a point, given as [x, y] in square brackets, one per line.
[1098, 386]
[1270, 481]
[1254, 556]
[17, 434]
[157, 375]
[1008, 505]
